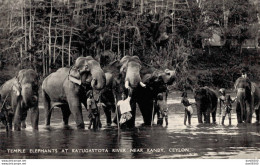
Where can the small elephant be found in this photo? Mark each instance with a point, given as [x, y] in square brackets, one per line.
[22, 92]
[206, 103]
[67, 88]
[248, 93]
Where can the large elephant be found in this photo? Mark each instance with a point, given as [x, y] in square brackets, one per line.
[206, 103]
[248, 94]
[67, 88]
[22, 93]
[156, 82]
[121, 76]
[143, 90]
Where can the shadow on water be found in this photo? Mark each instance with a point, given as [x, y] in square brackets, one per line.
[174, 141]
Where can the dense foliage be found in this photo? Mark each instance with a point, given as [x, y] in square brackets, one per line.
[46, 35]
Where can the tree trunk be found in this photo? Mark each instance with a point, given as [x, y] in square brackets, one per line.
[54, 47]
[49, 35]
[25, 27]
[43, 58]
[70, 44]
[21, 56]
[142, 6]
[62, 46]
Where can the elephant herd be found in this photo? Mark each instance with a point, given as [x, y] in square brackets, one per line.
[247, 102]
[68, 89]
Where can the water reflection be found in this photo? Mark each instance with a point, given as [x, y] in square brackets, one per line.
[174, 141]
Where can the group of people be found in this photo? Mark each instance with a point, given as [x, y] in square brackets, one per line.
[124, 108]
[123, 112]
[225, 102]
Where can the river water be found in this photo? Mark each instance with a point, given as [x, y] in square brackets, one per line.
[173, 141]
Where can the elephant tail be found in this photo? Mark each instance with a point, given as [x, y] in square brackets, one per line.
[46, 100]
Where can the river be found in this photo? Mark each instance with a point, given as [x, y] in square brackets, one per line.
[173, 141]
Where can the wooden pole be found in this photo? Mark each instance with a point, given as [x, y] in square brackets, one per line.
[152, 113]
[117, 118]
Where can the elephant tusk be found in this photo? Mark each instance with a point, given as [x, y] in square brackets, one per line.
[142, 84]
[127, 84]
[93, 83]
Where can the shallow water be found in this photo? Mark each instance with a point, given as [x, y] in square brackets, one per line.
[174, 141]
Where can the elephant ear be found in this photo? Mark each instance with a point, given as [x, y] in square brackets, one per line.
[81, 63]
[125, 59]
[136, 59]
[79, 66]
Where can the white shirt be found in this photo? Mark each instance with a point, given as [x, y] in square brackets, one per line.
[124, 105]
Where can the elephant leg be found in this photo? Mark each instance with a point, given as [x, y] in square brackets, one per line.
[35, 117]
[131, 123]
[108, 115]
[208, 116]
[23, 118]
[257, 111]
[239, 114]
[66, 114]
[76, 110]
[18, 114]
[10, 120]
[249, 113]
[47, 108]
[204, 117]
[223, 120]
[244, 112]
[199, 114]
[214, 116]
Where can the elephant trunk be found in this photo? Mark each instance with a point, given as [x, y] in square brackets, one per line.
[18, 114]
[241, 100]
[29, 96]
[35, 117]
[133, 77]
[98, 79]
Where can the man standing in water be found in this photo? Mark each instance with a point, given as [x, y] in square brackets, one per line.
[93, 111]
[186, 104]
[225, 102]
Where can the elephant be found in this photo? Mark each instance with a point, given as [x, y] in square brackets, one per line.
[156, 82]
[145, 84]
[247, 93]
[22, 93]
[206, 102]
[67, 88]
[121, 76]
